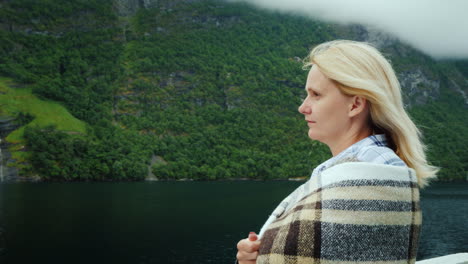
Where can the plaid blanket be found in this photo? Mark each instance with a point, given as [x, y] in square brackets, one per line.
[354, 212]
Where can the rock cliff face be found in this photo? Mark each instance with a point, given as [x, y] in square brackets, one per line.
[372, 35]
[130, 7]
[6, 173]
[419, 83]
[417, 87]
[455, 86]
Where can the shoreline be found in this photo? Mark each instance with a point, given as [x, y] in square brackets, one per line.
[37, 179]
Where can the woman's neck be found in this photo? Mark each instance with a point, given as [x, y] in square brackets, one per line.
[348, 140]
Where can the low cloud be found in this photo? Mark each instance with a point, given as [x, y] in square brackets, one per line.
[436, 27]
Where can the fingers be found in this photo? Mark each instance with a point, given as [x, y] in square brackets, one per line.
[252, 236]
[247, 262]
[248, 246]
[245, 256]
[248, 249]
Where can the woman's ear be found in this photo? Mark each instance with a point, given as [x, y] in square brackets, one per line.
[358, 105]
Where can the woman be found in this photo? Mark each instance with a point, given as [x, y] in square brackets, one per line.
[362, 205]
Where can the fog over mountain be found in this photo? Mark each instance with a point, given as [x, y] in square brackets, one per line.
[436, 27]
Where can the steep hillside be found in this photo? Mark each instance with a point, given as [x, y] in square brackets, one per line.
[30, 111]
[198, 89]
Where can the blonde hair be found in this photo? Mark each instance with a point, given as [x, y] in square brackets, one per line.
[360, 69]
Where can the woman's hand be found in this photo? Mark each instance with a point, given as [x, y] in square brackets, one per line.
[248, 249]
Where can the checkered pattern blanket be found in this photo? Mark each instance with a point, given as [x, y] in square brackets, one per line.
[355, 212]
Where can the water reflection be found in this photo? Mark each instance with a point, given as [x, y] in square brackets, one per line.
[174, 222]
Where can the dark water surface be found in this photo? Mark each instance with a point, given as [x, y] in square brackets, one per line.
[174, 222]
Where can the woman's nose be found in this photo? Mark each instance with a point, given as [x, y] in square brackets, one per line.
[304, 108]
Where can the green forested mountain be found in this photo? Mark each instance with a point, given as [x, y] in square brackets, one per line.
[189, 89]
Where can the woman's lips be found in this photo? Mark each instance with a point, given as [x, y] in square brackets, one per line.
[310, 123]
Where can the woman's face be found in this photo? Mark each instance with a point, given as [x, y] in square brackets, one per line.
[325, 108]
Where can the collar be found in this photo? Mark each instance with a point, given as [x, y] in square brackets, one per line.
[353, 150]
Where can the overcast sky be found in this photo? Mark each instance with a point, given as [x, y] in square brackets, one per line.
[436, 27]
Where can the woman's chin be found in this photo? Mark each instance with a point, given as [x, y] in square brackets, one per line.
[316, 137]
[312, 135]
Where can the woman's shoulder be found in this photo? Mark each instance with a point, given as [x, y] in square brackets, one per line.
[352, 171]
[379, 155]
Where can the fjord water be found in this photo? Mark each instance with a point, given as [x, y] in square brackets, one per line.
[174, 222]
